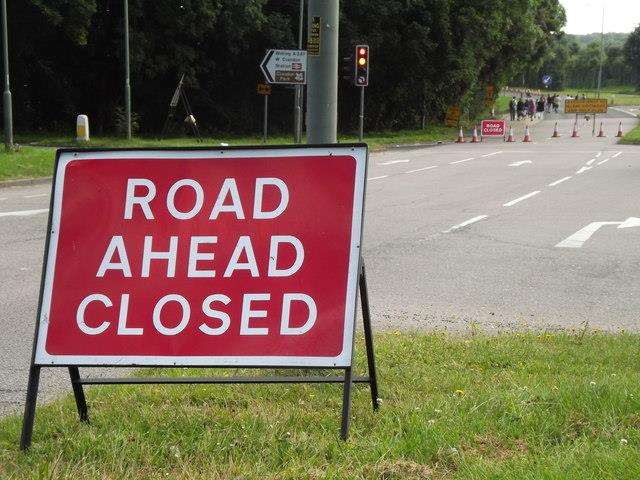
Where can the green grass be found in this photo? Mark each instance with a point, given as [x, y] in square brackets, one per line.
[617, 96]
[632, 137]
[36, 155]
[520, 406]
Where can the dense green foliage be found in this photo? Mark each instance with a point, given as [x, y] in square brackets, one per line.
[574, 61]
[66, 57]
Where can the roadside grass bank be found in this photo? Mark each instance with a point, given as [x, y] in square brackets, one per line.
[632, 137]
[36, 155]
[513, 406]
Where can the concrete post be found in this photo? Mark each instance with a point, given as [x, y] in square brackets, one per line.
[7, 103]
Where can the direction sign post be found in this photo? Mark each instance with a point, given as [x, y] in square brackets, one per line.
[228, 257]
[285, 67]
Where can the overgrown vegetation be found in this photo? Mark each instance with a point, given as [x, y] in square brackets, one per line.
[429, 54]
[520, 406]
[632, 137]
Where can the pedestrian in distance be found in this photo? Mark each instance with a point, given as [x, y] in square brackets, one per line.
[513, 108]
[521, 112]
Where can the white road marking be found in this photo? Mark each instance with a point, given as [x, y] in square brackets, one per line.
[465, 224]
[590, 162]
[421, 169]
[23, 213]
[3, 198]
[604, 161]
[583, 169]
[630, 222]
[393, 162]
[490, 154]
[558, 182]
[580, 237]
[378, 178]
[617, 155]
[519, 164]
[36, 196]
[520, 199]
[461, 161]
[598, 155]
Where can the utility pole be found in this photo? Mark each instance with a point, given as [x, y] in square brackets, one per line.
[8, 115]
[322, 89]
[601, 55]
[297, 115]
[127, 81]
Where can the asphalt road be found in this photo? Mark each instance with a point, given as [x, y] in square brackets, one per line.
[497, 236]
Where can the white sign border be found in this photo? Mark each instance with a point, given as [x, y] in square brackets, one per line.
[343, 360]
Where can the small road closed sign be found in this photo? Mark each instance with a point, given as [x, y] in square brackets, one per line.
[204, 257]
[493, 128]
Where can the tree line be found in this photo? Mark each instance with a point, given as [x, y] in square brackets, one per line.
[574, 62]
[67, 58]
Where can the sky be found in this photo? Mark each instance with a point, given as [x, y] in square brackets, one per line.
[585, 16]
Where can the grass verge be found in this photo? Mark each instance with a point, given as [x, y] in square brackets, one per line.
[521, 406]
[35, 158]
[632, 137]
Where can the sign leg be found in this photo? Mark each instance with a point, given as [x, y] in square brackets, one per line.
[30, 407]
[346, 402]
[368, 337]
[78, 393]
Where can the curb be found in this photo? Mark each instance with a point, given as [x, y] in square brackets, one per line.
[411, 146]
[20, 182]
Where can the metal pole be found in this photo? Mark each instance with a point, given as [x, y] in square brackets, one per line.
[297, 115]
[601, 57]
[361, 130]
[8, 114]
[265, 123]
[127, 82]
[322, 88]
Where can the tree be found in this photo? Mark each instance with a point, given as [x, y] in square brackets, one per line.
[632, 54]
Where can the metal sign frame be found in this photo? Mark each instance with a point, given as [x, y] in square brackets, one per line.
[77, 381]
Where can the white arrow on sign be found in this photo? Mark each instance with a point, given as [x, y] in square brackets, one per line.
[519, 164]
[578, 239]
[285, 67]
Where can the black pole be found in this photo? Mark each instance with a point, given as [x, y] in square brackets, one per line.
[78, 393]
[30, 407]
[346, 403]
[368, 338]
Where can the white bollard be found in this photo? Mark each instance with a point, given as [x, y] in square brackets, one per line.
[82, 128]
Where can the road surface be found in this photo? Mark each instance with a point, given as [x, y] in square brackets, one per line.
[497, 236]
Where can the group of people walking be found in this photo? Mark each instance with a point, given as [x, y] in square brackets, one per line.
[530, 107]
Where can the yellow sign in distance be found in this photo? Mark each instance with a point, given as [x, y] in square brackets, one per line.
[586, 105]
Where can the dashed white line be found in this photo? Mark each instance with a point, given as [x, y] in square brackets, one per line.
[604, 161]
[23, 213]
[598, 155]
[558, 182]
[378, 178]
[393, 162]
[616, 155]
[36, 196]
[462, 161]
[466, 223]
[421, 169]
[583, 169]
[519, 164]
[590, 162]
[520, 199]
[490, 154]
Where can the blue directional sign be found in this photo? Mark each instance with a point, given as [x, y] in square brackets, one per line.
[547, 80]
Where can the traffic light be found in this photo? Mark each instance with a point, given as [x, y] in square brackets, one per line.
[347, 68]
[362, 66]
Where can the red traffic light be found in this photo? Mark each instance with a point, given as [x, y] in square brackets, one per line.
[361, 76]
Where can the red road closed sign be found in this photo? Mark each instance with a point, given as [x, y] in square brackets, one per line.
[227, 257]
[494, 128]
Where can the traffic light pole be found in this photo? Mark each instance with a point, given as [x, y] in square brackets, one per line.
[297, 115]
[8, 114]
[361, 131]
[322, 88]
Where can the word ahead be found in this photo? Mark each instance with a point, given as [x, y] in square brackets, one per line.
[208, 258]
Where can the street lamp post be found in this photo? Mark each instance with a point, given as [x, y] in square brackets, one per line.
[299, 88]
[127, 82]
[8, 115]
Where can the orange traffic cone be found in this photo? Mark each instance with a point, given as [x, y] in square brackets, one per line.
[527, 135]
[555, 132]
[474, 138]
[510, 137]
[619, 135]
[575, 133]
[601, 132]
[460, 136]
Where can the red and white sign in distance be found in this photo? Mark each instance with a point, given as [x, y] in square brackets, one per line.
[494, 128]
[203, 257]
